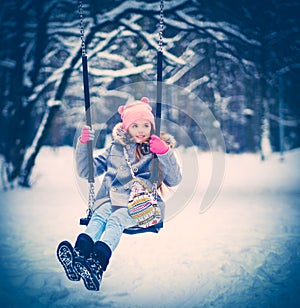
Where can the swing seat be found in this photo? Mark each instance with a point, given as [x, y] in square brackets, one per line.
[137, 230]
[132, 230]
[84, 221]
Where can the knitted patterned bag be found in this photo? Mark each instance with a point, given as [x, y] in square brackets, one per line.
[142, 205]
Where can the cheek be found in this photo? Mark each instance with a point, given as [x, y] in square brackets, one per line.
[131, 131]
[148, 131]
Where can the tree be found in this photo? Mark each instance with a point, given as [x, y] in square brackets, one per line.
[24, 50]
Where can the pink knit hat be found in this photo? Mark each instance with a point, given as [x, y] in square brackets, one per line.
[136, 110]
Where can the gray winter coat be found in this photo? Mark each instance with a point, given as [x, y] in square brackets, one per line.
[117, 179]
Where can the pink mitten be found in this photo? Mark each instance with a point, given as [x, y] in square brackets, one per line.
[158, 146]
[87, 134]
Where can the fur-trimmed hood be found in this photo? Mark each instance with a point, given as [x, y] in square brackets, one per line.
[121, 135]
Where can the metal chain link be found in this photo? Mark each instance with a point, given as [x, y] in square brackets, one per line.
[154, 191]
[161, 25]
[82, 35]
[91, 198]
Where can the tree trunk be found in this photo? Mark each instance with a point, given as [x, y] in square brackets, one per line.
[16, 132]
[265, 144]
[32, 152]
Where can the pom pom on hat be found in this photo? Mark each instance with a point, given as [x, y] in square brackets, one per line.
[145, 100]
[136, 110]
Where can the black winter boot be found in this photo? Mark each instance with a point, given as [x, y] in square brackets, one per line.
[91, 270]
[84, 245]
[99, 258]
[67, 255]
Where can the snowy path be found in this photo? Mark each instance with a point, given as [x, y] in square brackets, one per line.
[243, 252]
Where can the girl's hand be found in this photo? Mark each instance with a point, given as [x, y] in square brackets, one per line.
[87, 134]
[157, 145]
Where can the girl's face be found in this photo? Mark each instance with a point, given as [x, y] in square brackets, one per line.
[140, 130]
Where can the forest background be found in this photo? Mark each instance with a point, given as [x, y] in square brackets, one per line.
[241, 58]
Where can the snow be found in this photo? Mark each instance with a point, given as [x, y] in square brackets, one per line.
[121, 72]
[243, 252]
[151, 41]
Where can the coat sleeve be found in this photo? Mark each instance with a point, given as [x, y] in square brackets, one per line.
[82, 164]
[171, 169]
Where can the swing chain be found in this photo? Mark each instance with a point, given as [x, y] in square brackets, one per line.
[161, 25]
[154, 191]
[91, 198]
[82, 35]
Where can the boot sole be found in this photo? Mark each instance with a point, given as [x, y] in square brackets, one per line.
[66, 257]
[85, 272]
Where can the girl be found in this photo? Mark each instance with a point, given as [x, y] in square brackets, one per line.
[130, 154]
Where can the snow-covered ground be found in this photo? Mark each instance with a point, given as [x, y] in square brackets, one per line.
[243, 252]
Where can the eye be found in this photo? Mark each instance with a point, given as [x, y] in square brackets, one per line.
[147, 125]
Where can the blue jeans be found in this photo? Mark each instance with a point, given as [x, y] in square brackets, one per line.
[109, 224]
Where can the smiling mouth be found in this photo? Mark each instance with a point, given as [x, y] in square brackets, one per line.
[140, 138]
